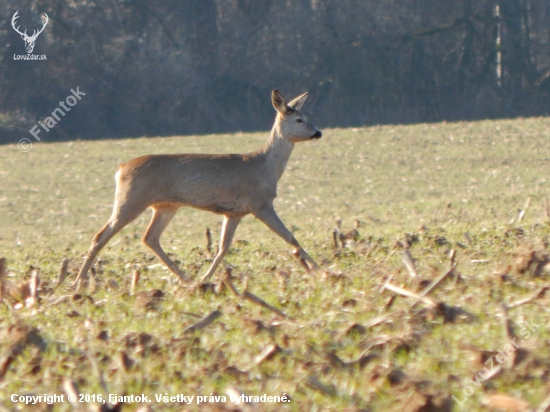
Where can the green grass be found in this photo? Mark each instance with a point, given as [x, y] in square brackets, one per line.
[455, 186]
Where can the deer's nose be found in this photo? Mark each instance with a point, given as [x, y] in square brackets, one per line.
[317, 135]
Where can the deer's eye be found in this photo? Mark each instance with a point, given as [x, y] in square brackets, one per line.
[299, 120]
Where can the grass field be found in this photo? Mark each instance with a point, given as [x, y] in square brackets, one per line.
[466, 199]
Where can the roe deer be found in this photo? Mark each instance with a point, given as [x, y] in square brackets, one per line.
[232, 185]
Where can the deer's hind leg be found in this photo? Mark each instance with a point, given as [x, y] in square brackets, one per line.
[162, 215]
[123, 213]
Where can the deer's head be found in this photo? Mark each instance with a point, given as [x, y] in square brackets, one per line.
[292, 123]
[29, 40]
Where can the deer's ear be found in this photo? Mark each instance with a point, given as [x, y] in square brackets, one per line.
[279, 102]
[298, 102]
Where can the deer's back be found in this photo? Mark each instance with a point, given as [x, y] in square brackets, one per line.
[219, 183]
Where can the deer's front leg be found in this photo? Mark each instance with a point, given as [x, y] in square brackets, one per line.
[268, 215]
[230, 224]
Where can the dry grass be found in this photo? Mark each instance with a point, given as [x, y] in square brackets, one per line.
[448, 260]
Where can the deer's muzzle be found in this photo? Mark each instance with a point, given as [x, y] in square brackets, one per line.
[317, 135]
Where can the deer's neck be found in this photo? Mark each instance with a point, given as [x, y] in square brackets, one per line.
[277, 151]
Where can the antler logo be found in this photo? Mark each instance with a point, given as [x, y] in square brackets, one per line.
[29, 40]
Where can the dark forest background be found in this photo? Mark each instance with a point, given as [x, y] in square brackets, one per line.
[203, 66]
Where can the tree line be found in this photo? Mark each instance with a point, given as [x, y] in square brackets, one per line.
[205, 66]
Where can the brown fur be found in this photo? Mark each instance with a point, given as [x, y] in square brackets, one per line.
[232, 185]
